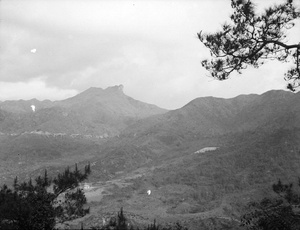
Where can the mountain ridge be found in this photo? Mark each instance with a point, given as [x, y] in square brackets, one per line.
[95, 111]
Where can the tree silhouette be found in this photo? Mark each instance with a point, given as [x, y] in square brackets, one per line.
[250, 39]
[42, 204]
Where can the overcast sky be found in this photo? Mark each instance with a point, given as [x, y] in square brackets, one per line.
[57, 49]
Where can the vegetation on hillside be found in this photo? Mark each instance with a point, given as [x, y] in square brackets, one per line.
[279, 212]
[120, 222]
[43, 203]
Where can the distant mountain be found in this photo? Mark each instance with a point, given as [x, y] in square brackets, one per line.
[111, 102]
[36, 133]
[92, 112]
[209, 116]
[206, 159]
[24, 106]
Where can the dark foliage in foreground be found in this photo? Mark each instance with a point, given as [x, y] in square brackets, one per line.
[281, 212]
[43, 203]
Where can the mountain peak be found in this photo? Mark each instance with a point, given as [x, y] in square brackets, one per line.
[115, 88]
[110, 89]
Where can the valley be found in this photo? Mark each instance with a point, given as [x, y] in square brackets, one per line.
[202, 163]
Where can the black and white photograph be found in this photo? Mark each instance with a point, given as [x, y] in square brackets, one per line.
[150, 114]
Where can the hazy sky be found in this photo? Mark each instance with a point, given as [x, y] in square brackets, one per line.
[55, 49]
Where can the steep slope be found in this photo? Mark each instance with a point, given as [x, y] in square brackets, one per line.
[273, 109]
[113, 101]
[109, 108]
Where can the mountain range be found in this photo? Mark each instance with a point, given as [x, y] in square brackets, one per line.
[203, 162]
[92, 112]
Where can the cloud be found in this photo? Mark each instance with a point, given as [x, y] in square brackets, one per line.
[35, 88]
[150, 47]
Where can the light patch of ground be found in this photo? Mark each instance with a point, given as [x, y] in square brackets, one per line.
[97, 191]
[206, 149]
[95, 195]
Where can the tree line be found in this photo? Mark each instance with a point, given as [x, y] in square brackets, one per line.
[42, 203]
